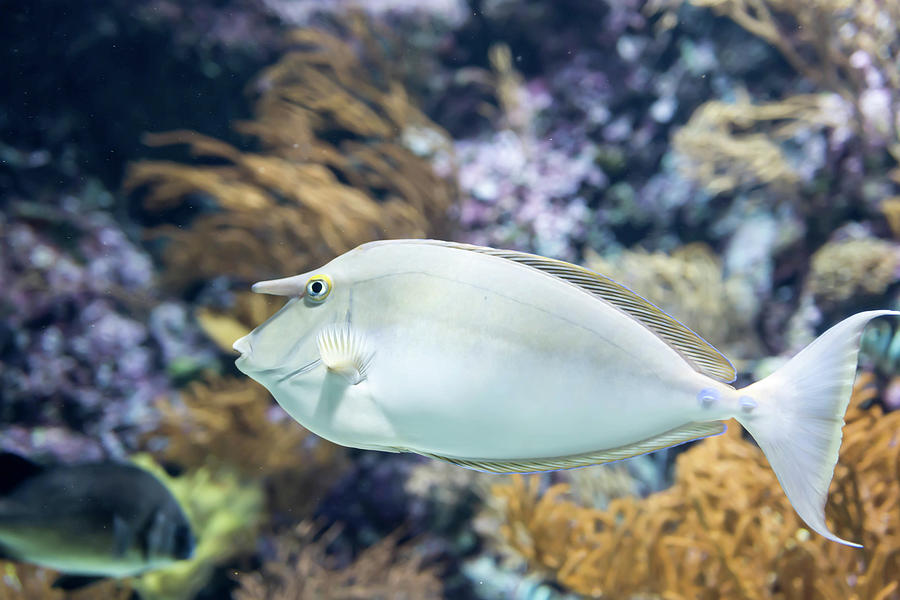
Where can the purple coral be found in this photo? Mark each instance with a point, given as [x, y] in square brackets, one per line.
[524, 190]
[73, 354]
[302, 12]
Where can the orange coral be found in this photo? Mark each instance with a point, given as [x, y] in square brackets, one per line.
[844, 273]
[249, 310]
[820, 39]
[335, 170]
[724, 529]
[235, 422]
[27, 582]
[302, 569]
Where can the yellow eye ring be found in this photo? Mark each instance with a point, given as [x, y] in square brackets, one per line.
[318, 287]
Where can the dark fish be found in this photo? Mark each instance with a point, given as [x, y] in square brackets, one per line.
[89, 521]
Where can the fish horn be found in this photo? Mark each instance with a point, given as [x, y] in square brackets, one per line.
[287, 286]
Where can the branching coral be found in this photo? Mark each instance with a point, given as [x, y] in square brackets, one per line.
[725, 146]
[235, 424]
[724, 529]
[303, 570]
[335, 169]
[847, 48]
[823, 36]
[26, 582]
[233, 420]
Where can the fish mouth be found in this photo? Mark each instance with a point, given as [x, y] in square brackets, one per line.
[243, 345]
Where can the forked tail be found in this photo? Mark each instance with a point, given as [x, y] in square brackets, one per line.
[799, 412]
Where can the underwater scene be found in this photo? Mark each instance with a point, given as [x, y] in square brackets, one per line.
[464, 299]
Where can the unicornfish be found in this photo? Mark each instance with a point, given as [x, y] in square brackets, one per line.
[509, 362]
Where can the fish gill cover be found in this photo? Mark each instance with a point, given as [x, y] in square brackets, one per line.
[734, 161]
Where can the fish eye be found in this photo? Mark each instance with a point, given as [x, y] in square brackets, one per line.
[318, 287]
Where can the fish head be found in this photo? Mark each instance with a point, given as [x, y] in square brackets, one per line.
[183, 543]
[282, 352]
[169, 536]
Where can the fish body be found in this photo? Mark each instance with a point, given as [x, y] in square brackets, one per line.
[502, 361]
[96, 520]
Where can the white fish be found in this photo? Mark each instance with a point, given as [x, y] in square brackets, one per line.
[509, 362]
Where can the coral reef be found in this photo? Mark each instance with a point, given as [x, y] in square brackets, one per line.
[301, 12]
[235, 424]
[75, 352]
[735, 145]
[521, 180]
[724, 529]
[852, 272]
[848, 52]
[301, 569]
[735, 161]
[232, 421]
[688, 284]
[305, 197]
[225, 324]
[26, 582]
[880, 349]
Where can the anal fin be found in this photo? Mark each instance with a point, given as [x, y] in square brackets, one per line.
[673, 437]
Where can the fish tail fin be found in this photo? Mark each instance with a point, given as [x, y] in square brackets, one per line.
[796, 415]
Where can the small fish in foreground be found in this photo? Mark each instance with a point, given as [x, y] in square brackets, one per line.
[89, 521]
[509, 362]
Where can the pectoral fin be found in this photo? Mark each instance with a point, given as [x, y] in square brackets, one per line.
[122, 536]
[343, 350]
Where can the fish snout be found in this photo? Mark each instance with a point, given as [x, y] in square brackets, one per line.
[243, 345]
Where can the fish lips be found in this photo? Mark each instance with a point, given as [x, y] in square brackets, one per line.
[243, 345]
[281, 372]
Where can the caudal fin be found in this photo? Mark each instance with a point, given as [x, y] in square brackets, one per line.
[796, 415]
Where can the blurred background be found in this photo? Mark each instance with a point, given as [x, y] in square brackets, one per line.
[734, 161]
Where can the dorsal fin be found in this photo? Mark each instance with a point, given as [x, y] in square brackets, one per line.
[679, 435]
[699, 353]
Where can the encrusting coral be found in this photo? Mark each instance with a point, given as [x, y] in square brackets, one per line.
[853, 270]
[724, 529]
[302, 569]
[690, 285]
[344, 158]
